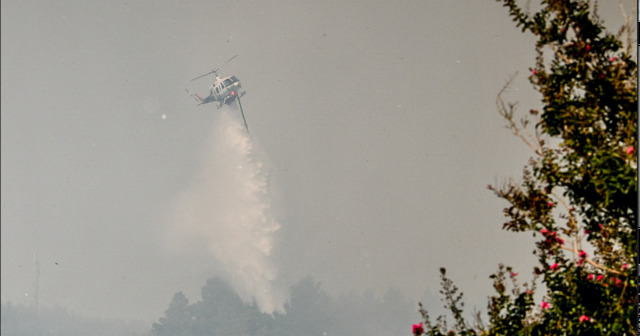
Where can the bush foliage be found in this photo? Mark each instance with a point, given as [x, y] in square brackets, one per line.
[578, 193]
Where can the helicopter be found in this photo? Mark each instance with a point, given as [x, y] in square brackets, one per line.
[224, 91]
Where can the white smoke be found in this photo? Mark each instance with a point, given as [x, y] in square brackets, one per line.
[228, 210]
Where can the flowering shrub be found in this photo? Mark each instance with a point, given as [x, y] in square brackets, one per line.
[579, 190]
[417, 329]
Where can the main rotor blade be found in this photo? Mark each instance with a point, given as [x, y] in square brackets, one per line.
[207, 74]
[225, 63]
[216, 70]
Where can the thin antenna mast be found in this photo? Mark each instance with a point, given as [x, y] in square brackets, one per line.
[37, 284]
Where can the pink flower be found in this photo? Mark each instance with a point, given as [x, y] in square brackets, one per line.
[544, 305]
[613, 58]
[550, 203]
[534, 72]
[625, 266]
[554, 266]
[629, 150]
[583, 254]
[544, 231]
[417, 329]
[599, 277]
[584, 318]
[513, 274]
[590, 277]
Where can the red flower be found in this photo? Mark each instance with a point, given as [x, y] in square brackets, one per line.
[554, 266]
[534, 72]
[630, 150]
[417, 329]
[599, 277]
[584, 318]
[590, 277]
[550, 203]
[588, 47]
[544, 231]
[513, 274]
[583, 254]
[544, 305]
[613, 58]
[625, 266]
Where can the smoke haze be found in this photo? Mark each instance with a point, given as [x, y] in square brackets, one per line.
[378, 118]
[227, 212]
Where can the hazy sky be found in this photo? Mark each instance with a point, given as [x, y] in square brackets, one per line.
[374, 134]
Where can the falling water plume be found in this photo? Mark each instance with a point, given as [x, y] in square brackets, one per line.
[228, 210]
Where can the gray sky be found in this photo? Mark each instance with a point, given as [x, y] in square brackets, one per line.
[374, 135]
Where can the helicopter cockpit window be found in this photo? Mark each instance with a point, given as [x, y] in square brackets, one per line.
[228, 82]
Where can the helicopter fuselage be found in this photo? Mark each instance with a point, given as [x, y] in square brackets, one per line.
[224, 90]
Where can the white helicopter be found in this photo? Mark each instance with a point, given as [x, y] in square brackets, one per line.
[224, 91]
